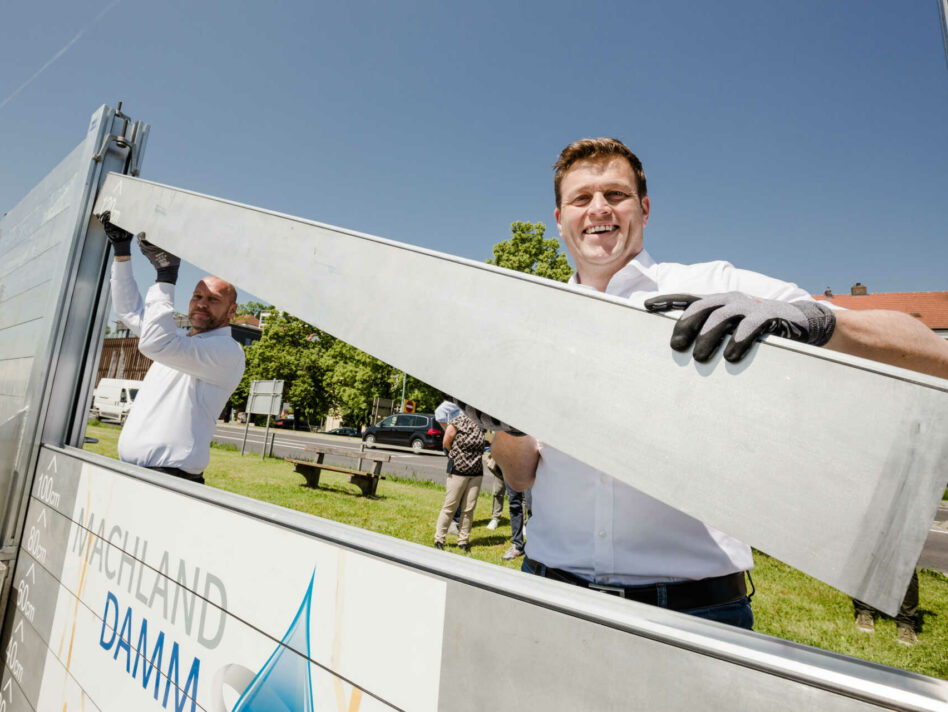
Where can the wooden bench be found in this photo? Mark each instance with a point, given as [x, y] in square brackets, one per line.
[366, 480]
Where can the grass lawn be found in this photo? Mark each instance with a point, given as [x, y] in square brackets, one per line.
[788, 603]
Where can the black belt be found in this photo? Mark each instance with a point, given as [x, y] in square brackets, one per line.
[679, 595]
[183, 474]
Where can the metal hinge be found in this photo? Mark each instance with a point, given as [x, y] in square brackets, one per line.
[129, 139]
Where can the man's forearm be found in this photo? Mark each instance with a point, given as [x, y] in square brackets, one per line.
[518, 458]
[890, 337]
[126, 299]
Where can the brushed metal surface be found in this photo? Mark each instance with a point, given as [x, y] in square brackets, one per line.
[37, 241]
[831, 463]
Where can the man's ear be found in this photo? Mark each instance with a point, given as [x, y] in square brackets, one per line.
[556, 216]
[232, 312]
[646, 207]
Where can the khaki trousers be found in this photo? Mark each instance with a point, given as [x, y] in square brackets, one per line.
[499, 491]
[458, 488]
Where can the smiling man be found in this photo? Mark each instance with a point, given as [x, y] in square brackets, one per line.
[170, 425]
[591, 530]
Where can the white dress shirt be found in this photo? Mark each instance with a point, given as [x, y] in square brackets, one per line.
[172, 420]
[604, 530]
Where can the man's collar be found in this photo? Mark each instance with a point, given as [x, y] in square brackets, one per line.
[637, 275]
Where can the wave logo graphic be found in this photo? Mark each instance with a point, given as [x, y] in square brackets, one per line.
[284, 683]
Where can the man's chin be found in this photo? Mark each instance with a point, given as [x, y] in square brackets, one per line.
[604, 255]
[200, 323]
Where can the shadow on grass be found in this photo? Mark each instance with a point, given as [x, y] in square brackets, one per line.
[922, 618]
[341, 490]
[488, 540]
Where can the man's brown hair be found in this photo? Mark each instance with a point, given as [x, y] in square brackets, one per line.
[596, 149]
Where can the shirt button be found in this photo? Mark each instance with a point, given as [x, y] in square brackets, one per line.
[602, 534]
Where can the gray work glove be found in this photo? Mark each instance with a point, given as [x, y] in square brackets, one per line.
[121, 239]
[164, 262]
[488, 422]
[708, 320]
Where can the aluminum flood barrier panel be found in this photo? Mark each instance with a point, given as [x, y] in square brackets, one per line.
[831, 463]
[137, 592]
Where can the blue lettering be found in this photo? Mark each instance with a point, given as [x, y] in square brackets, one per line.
[109, 599]
[190, 688]
[153, 664]
[125, 639]
[150, 666]
[181, 696]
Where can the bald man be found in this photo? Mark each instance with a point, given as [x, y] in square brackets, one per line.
[171, 423]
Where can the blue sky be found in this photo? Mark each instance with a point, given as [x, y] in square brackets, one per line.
[806, 140]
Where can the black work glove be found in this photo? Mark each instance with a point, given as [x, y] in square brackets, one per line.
[708, 320]
[121, 239]
[488, 422]
[164, 262]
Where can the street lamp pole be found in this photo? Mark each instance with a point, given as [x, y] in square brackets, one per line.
[401, 406]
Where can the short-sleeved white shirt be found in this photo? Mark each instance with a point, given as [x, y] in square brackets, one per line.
[590, 524]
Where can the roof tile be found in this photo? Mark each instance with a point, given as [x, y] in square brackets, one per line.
[931, 308]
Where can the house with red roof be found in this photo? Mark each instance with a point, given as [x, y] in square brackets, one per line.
[930, 308]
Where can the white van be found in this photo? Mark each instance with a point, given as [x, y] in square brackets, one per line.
[113, 397]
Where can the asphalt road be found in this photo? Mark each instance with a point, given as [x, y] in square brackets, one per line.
[430, 465]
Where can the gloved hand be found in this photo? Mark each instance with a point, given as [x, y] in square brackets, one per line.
[121, 239]
[164, 262]
[708, 320]
[486, 421]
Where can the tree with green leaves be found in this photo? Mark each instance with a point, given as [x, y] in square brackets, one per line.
[289, 350]
[254, 309]
[352, 380]
[528, 251]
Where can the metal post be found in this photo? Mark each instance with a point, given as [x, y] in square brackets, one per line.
[246, 428]
[943, 12]
[247, 418]
[266, 434]
[401, 406]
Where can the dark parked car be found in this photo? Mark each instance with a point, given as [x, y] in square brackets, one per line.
[351, 432]
[290, 424]
[419, 431]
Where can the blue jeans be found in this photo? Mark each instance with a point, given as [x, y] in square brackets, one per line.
[736, 613]
[515, 502]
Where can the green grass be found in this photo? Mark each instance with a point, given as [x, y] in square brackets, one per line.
[791, 605]
[788, 604]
